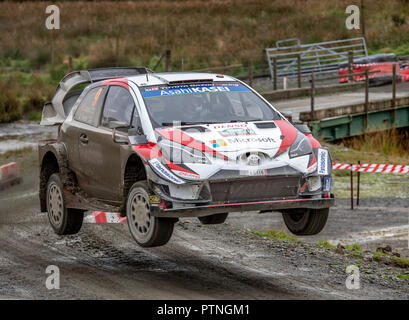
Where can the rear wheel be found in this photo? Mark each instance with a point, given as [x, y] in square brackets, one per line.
[63, 220]
[147, 231]
[304, 222]
[214, 218]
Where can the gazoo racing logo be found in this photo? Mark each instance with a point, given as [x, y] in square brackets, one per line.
[237, 132]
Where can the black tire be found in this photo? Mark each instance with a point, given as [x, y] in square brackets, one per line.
[305, 222]
[147, 231]
[64, 221]
[214, 218]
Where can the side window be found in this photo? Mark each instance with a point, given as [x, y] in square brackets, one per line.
[88, 110]
[136, 120]
[119, 106]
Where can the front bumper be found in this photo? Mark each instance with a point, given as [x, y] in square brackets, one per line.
[271, 205]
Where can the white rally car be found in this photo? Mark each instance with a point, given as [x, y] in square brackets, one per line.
[160, 146]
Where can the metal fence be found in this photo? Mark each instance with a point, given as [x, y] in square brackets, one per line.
[291, 58]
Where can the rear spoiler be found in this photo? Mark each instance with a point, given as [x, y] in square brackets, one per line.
[54, 111]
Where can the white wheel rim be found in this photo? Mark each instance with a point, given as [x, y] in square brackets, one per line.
[140, 220]
[55, 205]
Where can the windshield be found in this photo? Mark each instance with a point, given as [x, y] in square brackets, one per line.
[208, 103]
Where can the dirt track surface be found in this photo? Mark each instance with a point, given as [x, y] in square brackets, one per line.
[200, 262]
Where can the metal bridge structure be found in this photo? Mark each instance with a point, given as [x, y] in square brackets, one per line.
[354, 120]
[290, 58]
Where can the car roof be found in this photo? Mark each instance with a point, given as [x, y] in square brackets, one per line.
[173, 78]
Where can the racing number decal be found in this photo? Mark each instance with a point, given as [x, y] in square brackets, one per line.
[96, 97]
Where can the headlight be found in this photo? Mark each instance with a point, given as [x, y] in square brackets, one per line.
[178, 153]
[314, 183]
[300, 147]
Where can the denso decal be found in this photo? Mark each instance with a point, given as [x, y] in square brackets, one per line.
[236, 132]
[192, 90]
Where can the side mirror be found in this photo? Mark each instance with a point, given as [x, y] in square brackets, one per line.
[117, 124]
[303, 128]
[288, 115]
[114, 125]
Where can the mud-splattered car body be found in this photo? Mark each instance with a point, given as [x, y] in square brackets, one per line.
[205, 144]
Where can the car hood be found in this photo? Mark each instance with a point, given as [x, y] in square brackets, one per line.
[228, 139]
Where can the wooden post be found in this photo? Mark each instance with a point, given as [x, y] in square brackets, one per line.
[69, 64]
[275, 73]
[299, 70]
[52, 47]
[350, 63]
[182, 65]
[363, 18]
[117, 47]
[312, 95]
[366, 98]
[285, 83]
[251, 74]
[167, 60]
[394, 93]
[358, 184]
[352, 189]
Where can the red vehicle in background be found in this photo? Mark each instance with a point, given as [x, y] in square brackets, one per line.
[381, 63]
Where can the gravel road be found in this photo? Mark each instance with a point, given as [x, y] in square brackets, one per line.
[200, 262]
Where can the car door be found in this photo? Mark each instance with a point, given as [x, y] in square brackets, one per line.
[81, 136]
[103, 151]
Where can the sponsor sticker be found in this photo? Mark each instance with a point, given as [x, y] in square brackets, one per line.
[159, 168]
[187, 174]
[218, 143]
[253, 172]
[323, 162]
[237, 132]
[327, 184]
[167, 91]
[229, 125]
[251, 140]
[154, 199]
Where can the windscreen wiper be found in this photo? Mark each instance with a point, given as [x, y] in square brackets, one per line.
[186, 123]
[251, 120]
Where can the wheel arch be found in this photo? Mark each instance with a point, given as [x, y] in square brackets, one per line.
[134, 171]
[53, 158]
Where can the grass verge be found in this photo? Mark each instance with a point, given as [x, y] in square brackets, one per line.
[275, 234]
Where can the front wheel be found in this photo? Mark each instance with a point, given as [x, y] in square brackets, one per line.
[305, 222]
[147, 231]
[63, 220]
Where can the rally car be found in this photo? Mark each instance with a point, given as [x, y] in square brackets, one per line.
[156, 147]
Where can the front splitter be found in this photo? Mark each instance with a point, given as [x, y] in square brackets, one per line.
[270, 205]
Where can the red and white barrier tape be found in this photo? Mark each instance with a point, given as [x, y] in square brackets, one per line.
[8, 170]
[104, 217]
[372, 167]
